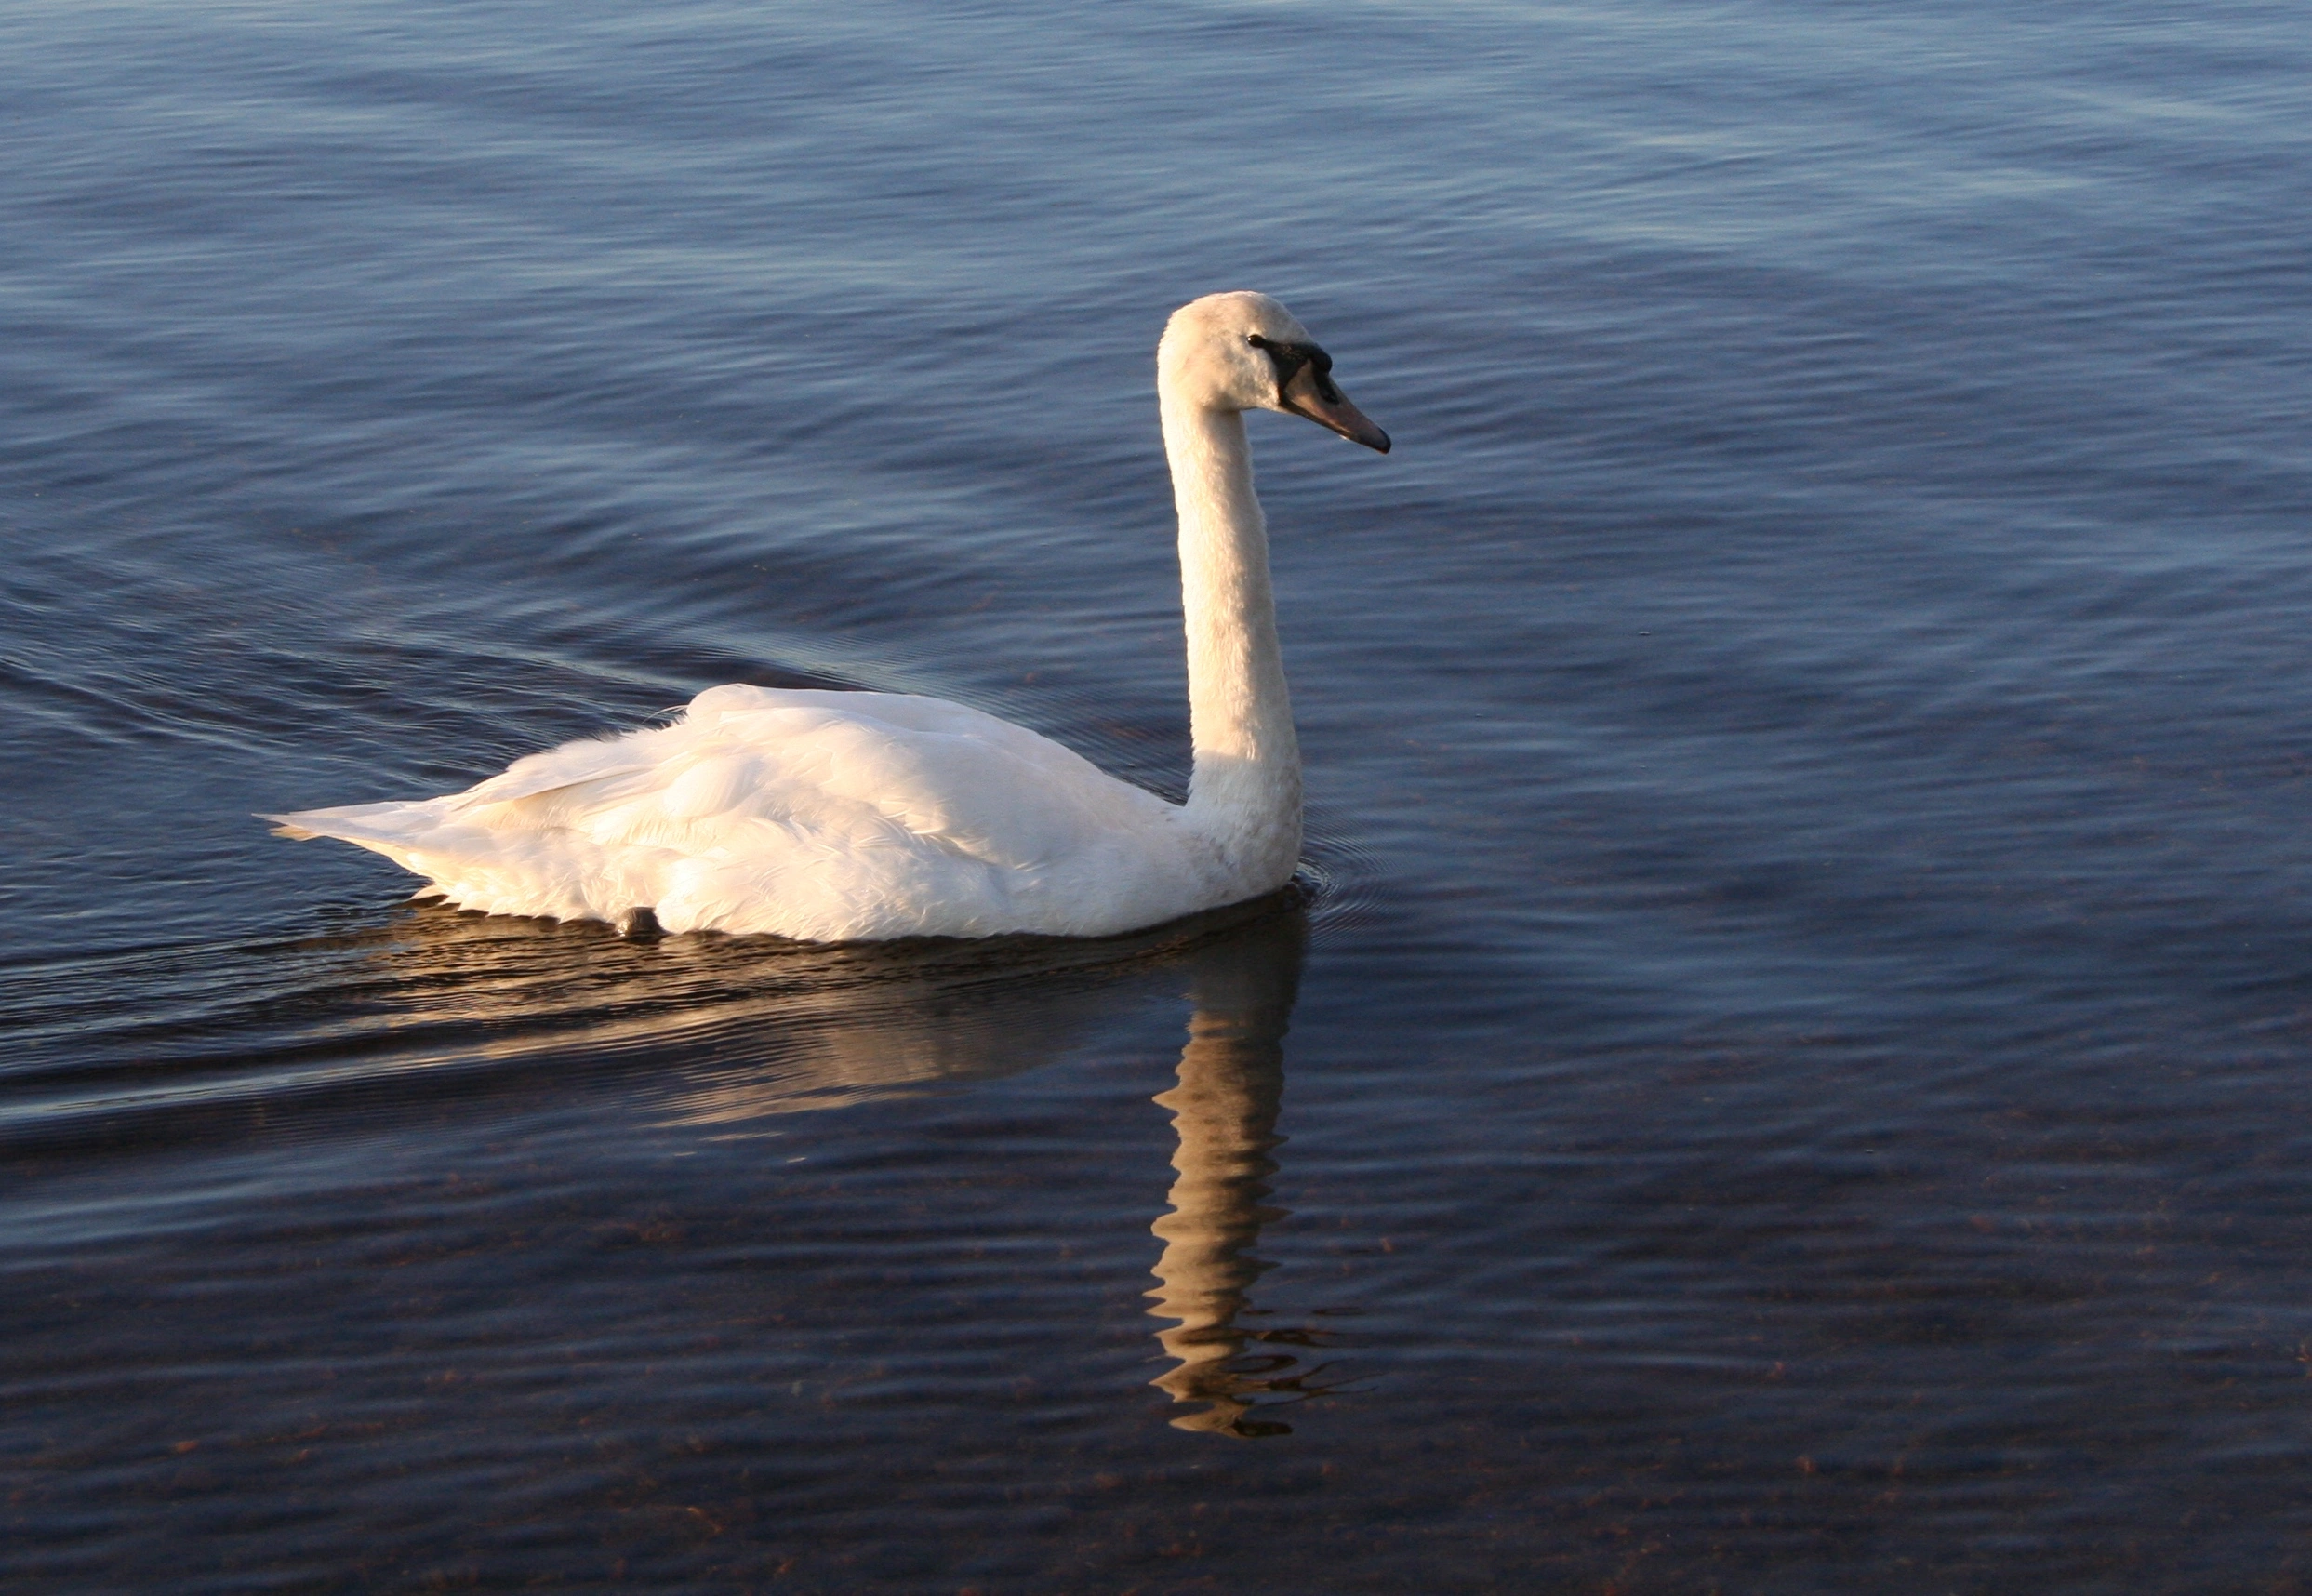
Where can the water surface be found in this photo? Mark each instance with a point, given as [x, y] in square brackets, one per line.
[1785, 1074]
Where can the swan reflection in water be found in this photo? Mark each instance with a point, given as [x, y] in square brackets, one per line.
[721, 1034]
[1224, 1112]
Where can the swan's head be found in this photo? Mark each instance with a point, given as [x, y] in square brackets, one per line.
[1245, 352]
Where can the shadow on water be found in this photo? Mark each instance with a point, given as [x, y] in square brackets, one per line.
[355, 1030]
[756, 1030]
[736, 1031]
[438, 1018]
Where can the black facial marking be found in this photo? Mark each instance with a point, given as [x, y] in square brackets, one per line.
[1289, 358]
[1304, 386]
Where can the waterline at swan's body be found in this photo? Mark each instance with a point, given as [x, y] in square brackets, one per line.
[834, 817]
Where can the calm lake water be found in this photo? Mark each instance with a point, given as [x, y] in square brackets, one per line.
[1786, 1073]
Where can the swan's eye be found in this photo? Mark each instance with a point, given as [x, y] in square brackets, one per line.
[1287, 358]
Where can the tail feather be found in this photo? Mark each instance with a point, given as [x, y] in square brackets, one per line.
[396, 829]
[394, 823]
[547, 870]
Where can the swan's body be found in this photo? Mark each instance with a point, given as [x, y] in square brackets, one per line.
[839, 816]
[824, 816]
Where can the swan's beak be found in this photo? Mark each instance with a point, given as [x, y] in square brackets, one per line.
[1311, 392]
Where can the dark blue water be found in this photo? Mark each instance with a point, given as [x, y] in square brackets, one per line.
[1791, 1056]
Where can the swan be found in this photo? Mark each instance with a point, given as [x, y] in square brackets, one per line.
[838, 817]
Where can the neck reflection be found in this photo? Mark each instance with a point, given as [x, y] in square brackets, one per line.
[1224, 1112]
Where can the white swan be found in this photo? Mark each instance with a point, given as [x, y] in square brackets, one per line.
[844, 817]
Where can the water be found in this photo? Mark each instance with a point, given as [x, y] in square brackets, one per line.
[1788, 1059]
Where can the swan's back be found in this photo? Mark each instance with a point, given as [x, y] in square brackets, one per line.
[822, 816]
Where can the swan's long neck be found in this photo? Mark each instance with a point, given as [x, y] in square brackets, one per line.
[1244, 793]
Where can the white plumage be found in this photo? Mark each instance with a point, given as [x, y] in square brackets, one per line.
[839, 816]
